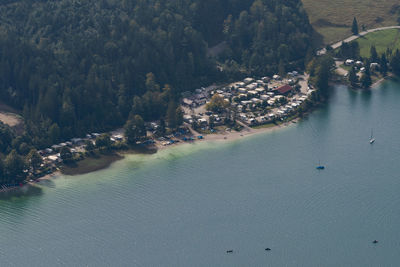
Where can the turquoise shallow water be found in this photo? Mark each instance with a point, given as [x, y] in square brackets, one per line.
[187, 205]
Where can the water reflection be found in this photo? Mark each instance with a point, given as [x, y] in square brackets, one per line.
[47, 183]
[24, 192]
[366, 96]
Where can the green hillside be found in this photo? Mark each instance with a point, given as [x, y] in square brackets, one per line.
[332, 19]
[75, 67]
[381, 40]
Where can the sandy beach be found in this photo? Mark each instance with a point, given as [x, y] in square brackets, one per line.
[378, 82]
[232, 135]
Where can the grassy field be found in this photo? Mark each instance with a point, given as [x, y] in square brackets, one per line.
[333, 18]
[381, 39]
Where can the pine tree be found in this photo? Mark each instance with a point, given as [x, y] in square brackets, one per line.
[14, 166]
[323, 74]
[354, 27]
[366, 78]
[161, 130]
[66, 154]
[353, 79]
[374, 54]
[135, 129]
[34, 159]
[179, 116]
[395, 63]
[384, 66]
[171, 115]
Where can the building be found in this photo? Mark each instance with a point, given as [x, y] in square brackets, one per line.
[187, 102]
[284, 90]
[248, 80]
[374, 66]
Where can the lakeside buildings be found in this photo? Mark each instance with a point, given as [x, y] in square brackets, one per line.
[252, 101]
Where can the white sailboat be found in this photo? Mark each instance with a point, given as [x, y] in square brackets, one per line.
[372, 139]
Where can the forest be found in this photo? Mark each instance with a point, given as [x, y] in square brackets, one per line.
[73, 67]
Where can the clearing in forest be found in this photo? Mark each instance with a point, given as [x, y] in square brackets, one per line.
[333, 19]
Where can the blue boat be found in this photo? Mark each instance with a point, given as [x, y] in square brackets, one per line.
[320, 167]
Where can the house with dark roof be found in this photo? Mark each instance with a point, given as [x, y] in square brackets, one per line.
[283, 90]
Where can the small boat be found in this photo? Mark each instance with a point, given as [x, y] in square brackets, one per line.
[267, 249]
[371, 139]
[320, 167]
[375, 241]
[229, 251]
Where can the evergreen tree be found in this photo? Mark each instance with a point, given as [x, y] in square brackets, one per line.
[354, 27]
[54, 133]
[103, 141]
[137, 107]
[323, 74]
[353, 79]
[135, 130]
[366, 77]
[171, 115]
[281, 68]
[151, 84]
[384, 65]
[14, 167]
[374, 54]
[89, 146]
[395, 63]
[34, 159]
[23, 148]
[161, 130]
[217, 104]
[179, 116]
[65, 154]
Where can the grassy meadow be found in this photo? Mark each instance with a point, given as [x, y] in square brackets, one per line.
[333, 18]
[381, 39]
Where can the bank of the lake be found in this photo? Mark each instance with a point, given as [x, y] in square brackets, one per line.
[100, 161]
[189, 204]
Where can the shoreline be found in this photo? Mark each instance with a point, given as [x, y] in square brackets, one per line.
[104, 161]
[381, 80]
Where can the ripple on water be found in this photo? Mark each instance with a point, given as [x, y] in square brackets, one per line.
[187, 205]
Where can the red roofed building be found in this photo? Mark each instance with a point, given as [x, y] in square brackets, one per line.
[283, 90]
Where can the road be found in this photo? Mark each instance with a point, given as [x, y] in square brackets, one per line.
[354, 37]
[304, 83]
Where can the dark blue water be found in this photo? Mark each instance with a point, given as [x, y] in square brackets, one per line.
[187, 205]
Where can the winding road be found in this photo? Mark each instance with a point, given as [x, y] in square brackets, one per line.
[354, 37]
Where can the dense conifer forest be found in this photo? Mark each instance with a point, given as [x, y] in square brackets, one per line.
[73, 67]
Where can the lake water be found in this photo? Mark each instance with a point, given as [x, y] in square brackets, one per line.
[188, 205]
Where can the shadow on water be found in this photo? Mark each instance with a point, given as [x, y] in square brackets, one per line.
[352, 97]
[24, 192]
[47, 183]
[389, 84]
[366, 96]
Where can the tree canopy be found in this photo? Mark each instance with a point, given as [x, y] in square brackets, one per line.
[354, 26]
[74, 67]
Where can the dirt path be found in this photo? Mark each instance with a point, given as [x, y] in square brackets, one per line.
[304, 84]
[10, 119]
[339, 69]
